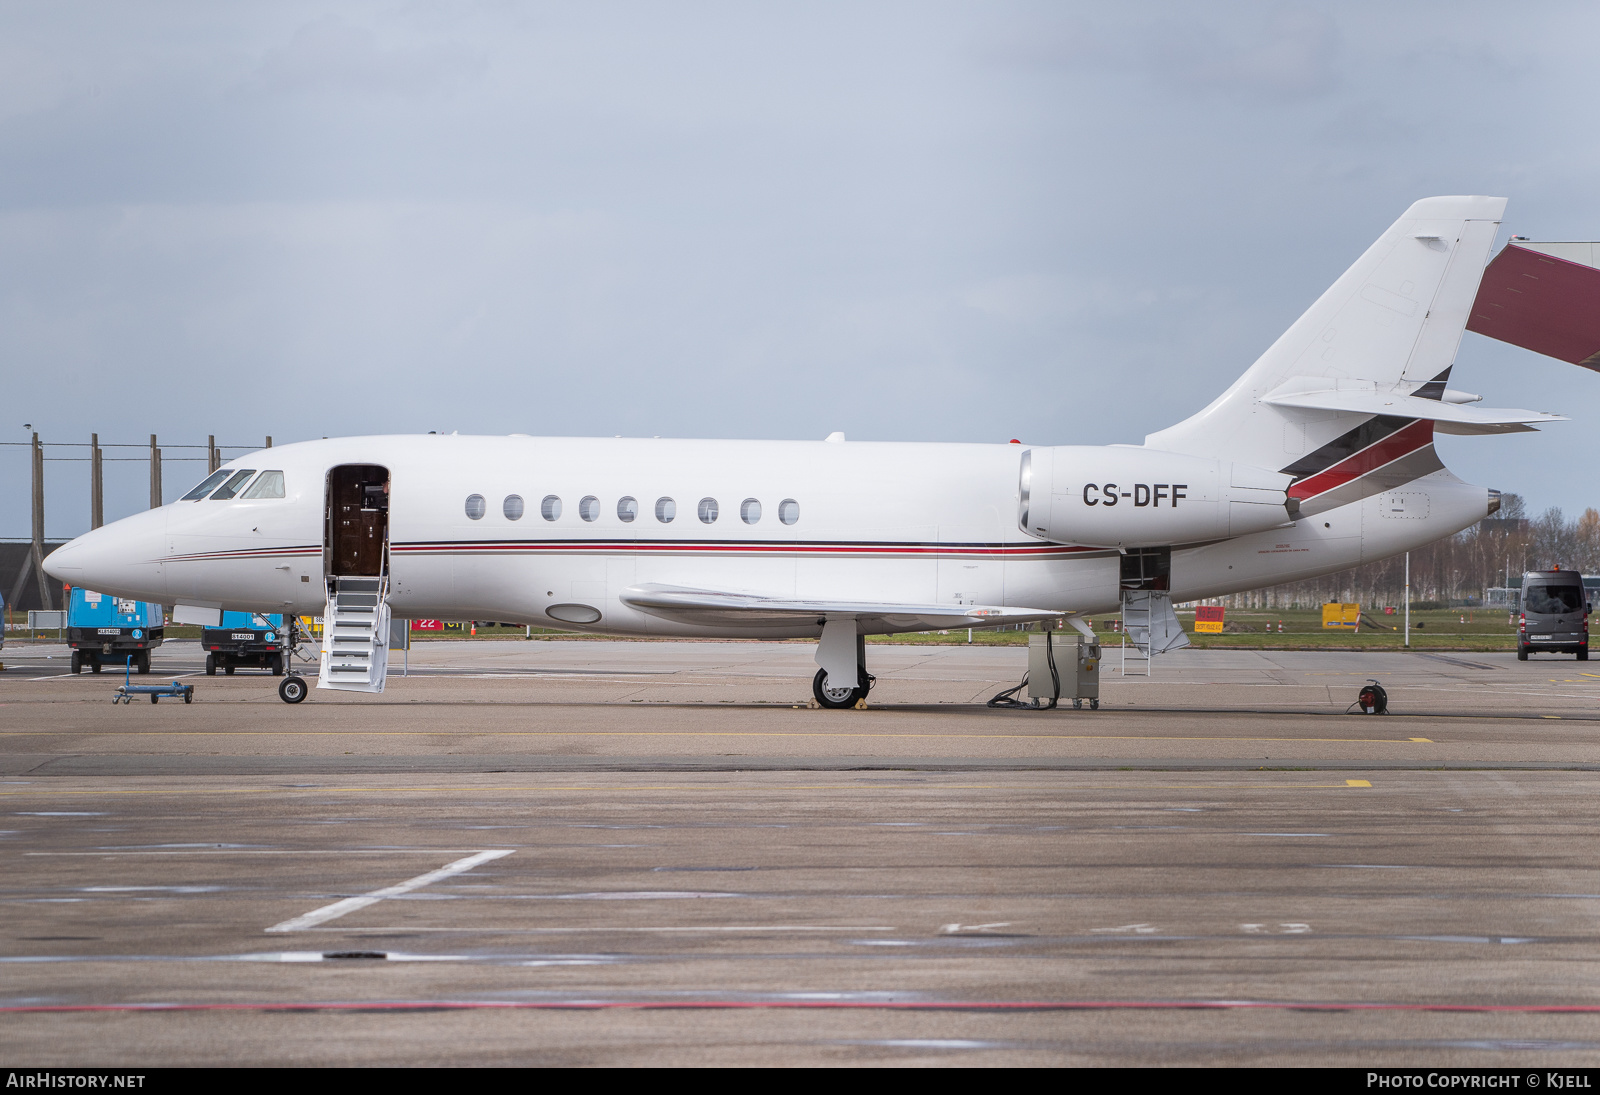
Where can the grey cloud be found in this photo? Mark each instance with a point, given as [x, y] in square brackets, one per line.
[943, 221]
[332, 53]
[1291, 52]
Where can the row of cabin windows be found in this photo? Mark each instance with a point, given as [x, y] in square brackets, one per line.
[231, 483]
[628, 509]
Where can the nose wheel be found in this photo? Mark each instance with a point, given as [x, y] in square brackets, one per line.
[292, 690]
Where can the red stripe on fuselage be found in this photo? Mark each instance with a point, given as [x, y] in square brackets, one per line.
[1403, 442]
[668, 547]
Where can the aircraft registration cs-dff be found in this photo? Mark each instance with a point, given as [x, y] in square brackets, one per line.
[1318, 458]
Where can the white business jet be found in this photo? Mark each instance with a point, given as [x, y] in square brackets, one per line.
[1318, 458]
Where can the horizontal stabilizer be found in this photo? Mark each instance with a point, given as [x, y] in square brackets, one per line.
[705, 606]
[1447, 417]
[1544, 297]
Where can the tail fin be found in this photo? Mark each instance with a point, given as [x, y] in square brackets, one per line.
[1391, 323]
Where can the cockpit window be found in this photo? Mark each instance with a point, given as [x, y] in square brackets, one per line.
[270, 485]
[207, 487]
[233, 486]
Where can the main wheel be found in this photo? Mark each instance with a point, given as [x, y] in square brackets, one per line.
[834, 698]
[77, 661]
[211, 665]
[292, 690]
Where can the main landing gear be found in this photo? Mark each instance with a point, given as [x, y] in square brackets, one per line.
[834, 697]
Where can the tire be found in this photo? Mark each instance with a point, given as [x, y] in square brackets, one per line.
[188, 695]
[1583, 652]
[1522, 653]
[154, 698]
[77, 661]
[142, 662]
[229, 668]
[211, 665]
[94, 663]
[276, 664]
[835, 699]
[292, 690]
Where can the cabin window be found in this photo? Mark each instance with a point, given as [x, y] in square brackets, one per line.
[750, 510]
[707, 511]
[233, 486]
[788, 511]
[207, 487]
[666, 510]
[513, 507]
[476, 506]
[270, 485]
[627, 510]
[589, 508]
[550, 508]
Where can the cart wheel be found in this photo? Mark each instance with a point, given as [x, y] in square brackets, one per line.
[211, 665]
[188, 695]
[154, 698]
[292, 690]
[1094, 705]
[77, 661]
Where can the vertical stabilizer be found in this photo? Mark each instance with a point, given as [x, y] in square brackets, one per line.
[1392, 323]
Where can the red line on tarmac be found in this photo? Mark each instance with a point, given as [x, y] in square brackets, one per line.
[801, 1005]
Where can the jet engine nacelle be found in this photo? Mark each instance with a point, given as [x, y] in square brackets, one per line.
[1129, 496]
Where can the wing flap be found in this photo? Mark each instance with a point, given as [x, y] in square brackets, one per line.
[707, 606]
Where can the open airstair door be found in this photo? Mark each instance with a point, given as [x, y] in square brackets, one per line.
[355, 625]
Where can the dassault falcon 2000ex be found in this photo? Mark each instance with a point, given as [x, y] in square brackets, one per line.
[1318, 458]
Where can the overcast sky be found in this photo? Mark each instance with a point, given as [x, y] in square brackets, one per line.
[1066, 223]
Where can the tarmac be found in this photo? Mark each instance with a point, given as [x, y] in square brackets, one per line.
[655, 853]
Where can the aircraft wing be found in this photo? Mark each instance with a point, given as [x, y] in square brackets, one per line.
[706, 606]
[1544, 297]
[1446, 417]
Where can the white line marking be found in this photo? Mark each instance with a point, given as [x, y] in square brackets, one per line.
[382, 930]
[351, 904]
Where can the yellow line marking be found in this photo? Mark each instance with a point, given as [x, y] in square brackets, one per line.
[1357, 783]
[1549, 716]
[1428, 740]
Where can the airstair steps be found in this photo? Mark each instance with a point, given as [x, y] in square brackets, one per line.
[355, 635]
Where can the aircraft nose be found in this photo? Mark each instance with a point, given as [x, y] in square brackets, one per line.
[124, 558]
